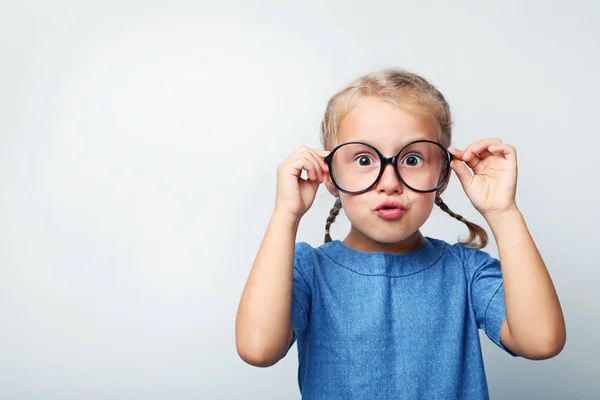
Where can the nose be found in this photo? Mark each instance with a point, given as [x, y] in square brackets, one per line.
[389, 182]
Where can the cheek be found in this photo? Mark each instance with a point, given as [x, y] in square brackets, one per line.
[355, 206]
[353, 202]
[422, 205]
[420, 200]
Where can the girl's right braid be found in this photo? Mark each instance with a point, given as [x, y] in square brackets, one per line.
[332, 214]
[475, 231]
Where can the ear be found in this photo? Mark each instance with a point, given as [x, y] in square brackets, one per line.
[330, 186]
[443, 188]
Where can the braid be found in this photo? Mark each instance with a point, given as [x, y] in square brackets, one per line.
[332, 214]
[475, 231]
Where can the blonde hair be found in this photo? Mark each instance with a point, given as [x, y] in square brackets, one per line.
[403, 89]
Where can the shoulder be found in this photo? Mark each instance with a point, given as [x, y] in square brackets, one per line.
[303, 251]
[308, 257]
[472, 260]
[305, 259]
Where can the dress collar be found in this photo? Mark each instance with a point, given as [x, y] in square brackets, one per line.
[386, 264]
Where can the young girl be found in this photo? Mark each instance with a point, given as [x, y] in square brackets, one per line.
[388, 313]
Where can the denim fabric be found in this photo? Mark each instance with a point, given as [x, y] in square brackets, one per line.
[394, 326]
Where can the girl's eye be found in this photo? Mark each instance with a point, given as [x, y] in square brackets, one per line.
[412, 160]
[364, 161]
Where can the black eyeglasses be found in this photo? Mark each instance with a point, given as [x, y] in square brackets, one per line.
[422, 165]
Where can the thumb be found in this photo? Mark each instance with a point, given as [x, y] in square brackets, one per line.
[462, 172]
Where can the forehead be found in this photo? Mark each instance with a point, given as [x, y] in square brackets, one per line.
[386, 126]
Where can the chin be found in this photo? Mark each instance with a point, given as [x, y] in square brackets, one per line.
[389, 236]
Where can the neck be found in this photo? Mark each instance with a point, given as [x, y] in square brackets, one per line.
[359, 241]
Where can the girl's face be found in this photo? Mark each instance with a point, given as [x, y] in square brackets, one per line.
[388, 128]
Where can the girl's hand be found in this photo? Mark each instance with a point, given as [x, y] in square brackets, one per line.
[296, 195]
[493, 186]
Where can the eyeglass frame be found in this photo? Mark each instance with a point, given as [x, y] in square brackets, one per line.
[390, 160]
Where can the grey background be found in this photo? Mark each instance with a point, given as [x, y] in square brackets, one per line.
[138, 148]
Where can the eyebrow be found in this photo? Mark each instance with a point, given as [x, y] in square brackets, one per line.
[404, 143]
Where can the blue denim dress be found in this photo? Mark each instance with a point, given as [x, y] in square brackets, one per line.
[394, 326]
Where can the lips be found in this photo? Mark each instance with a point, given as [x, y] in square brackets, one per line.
[390, 210]
[388, 205]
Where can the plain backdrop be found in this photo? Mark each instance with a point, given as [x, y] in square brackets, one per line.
[139, 142]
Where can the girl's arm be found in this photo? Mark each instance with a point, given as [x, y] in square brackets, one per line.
[535, 326]
[263, 330]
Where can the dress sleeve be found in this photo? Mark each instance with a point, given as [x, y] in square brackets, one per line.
[301, 290]
[487, 294]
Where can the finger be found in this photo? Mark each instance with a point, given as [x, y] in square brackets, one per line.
[320, 166]
[310, 166]
[504, 149]
[478, 146]
[459, 154]
[319, 159]
[323, 167]
[297, 164]
[317, 153]
[305, 151]
[484, 154]
[299, 150]
[472, 160]
[455, 152]
[321, 153]
[462, 172]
